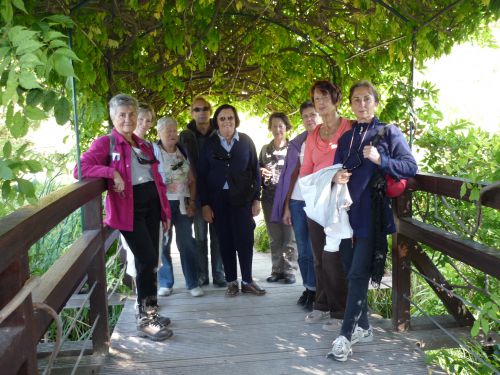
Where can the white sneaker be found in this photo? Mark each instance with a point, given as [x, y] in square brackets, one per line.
[196, 292]
[332, 325]
[164, 292]
[362, 335]
[317, 316]
[341, 348]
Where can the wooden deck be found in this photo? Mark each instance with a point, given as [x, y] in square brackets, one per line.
[267, 335]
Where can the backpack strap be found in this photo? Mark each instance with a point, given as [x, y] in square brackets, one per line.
[380, 134]
[111, 148]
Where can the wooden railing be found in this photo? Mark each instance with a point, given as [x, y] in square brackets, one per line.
[23, 328]
[21, 331]
[407, 250]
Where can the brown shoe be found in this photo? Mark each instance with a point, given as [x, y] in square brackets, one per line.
[253, 288]
[232, 289]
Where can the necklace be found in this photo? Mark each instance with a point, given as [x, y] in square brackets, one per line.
[362, 139]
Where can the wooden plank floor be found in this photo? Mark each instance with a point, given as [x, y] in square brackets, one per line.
[247, 334]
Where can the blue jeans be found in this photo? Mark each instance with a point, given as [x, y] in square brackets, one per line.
[304, 247]
[201, 228]
[357, 262]
[187, 250]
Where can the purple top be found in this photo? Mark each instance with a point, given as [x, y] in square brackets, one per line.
[292, 157]
[120, 206]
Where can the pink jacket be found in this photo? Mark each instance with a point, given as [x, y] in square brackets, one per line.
[120, 206]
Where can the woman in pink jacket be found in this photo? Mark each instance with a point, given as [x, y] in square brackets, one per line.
[135, 204]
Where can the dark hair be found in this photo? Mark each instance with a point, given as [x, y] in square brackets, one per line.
[326, 87]
[281, 116]
[222, 107]
[366, 84]
[305, 105]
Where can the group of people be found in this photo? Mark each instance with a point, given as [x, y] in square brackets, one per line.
[317, 193]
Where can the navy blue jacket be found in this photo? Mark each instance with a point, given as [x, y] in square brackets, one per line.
[215, 163]
[396, 160]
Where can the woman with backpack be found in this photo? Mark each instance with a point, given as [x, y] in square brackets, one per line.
[136, 202]
[367, 152]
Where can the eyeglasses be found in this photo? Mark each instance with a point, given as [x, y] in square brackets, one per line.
[177, 165]
[201, 109]
[221, 156]
[143, 160]
[353, 161]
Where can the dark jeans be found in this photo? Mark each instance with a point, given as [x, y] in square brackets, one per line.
[144, 240]
[187, 250]
[357, 262]
[331, 284]
[234, 226]
[281, 242]
[304, 247]
[201, 229]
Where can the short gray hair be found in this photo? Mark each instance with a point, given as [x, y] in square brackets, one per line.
[164, 121]
[122, 100]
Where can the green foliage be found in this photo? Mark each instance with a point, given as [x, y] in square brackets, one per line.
[470, 153]
[261, 243]
[35, 62]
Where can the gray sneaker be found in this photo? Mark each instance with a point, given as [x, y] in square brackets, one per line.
[361, 335]
[149, 326]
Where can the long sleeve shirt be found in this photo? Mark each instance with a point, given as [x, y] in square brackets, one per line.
[215, 163]
[396, 160]
[120, 206]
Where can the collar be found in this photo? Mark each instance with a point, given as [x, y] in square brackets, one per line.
[236, 136]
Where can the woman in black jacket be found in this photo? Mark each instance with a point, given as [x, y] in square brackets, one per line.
[229, 185]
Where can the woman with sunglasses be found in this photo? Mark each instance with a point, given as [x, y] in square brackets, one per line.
[136, 202]
[178, 175]
[228, 182]
[370, 214]
[321, 145]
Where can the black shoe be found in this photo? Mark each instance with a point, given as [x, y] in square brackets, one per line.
[275, 277]
[303, 298]
[220, 283]
[290, 279]
[311, 296]
[203, 282]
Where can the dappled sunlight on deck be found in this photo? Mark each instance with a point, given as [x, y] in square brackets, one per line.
[215, 334]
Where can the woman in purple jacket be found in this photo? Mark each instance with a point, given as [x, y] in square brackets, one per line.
[370, 214]
[288, 206]
[135, 204]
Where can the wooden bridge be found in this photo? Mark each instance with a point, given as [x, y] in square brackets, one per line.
[214, 334]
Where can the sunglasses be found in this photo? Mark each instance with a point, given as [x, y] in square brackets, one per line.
[201, 109]
[353, 161]
[221, 156]
[177, 165]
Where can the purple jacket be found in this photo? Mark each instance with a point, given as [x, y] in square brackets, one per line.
[120, 206]
[292, 157]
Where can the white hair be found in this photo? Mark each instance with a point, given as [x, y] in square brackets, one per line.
[122, 100]
[164, 121]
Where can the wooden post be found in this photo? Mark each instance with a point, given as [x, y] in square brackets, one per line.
[17, 350]
[401, 270]
[97, 274]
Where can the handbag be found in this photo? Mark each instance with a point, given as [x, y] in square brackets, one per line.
[394, 186]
